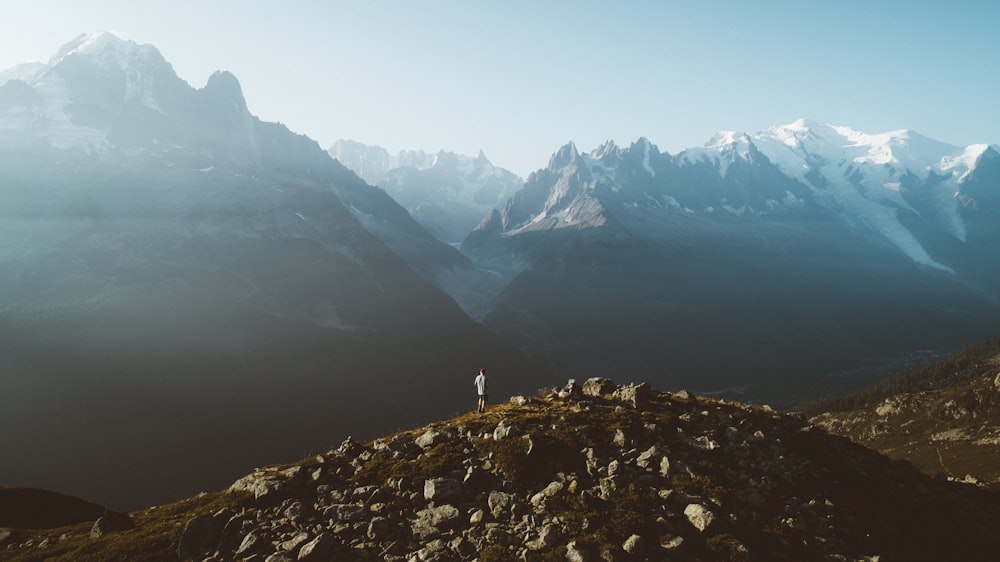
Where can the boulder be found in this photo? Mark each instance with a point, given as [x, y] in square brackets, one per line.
[598, 386]
[699, 516]
[428, 439]
[499, 502]
[319, 549]
[200, 536]
[111, 522]
[432, 520]
[502, 430]
[442, 489]
[636, 395]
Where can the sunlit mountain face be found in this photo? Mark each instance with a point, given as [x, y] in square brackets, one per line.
[803, 259]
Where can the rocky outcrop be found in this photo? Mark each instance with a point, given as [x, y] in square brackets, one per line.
[594, 473]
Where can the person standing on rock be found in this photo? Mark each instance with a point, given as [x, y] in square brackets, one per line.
[481, 387]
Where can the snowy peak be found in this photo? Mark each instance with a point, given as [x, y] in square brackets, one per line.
[92, 89]
[447, 193]
[106, 48]
[564, 156]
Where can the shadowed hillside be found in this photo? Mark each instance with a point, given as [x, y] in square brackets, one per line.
[591, 472]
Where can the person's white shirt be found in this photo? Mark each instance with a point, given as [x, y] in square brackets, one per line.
[481, 383]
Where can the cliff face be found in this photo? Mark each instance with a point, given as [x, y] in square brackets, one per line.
[592, 472]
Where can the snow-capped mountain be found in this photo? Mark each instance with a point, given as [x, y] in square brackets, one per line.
[176, 273]
[901, 185]
[798, 242]
[447, 193]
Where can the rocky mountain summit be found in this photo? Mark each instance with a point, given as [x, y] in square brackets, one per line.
[591, 472]
[943, 417]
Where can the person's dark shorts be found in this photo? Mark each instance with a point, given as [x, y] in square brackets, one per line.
[483, 397]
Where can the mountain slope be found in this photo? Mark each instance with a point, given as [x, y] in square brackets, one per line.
[942, 417]
[180, 281]
[591, 472]
[804, 247]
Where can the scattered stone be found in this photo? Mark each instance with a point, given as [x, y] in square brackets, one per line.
[578, 553]
[442, 489]
[502, 430]
[319, 549]
[111, 522]
[636, 395]
[598, 386]
[636, 546]
[699, 516]
[499, 502]
[428, 439]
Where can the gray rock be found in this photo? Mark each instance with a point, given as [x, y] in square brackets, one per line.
[699, 516]
[578, 553]
[319, 549]
[548, 536]
[280, 557]
[499, 502]
[616, 555]
[648, 458]
[254, 543]
[200, 536]
[111, 522]
[635, 395]
[428, 439]
[380, 528]
[442, 489]
[295, 543]
[432, 521]
[598, 386]
[502, 430]
[267, 482]
[345, 512]
[496, 535]
[636, 546]
[294, 511]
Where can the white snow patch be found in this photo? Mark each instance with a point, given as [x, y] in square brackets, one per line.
[645, 160]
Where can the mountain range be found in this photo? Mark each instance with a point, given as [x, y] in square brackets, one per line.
[447, 193]
[742, 264]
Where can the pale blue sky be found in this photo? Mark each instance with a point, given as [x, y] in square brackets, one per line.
[520, 78]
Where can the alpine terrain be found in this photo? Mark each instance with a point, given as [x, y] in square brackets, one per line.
[447, 193]
[591, 472]
[186, 290]
[943, 416]
[800, 260]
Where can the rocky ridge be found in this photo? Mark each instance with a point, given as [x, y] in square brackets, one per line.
[591, 472]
